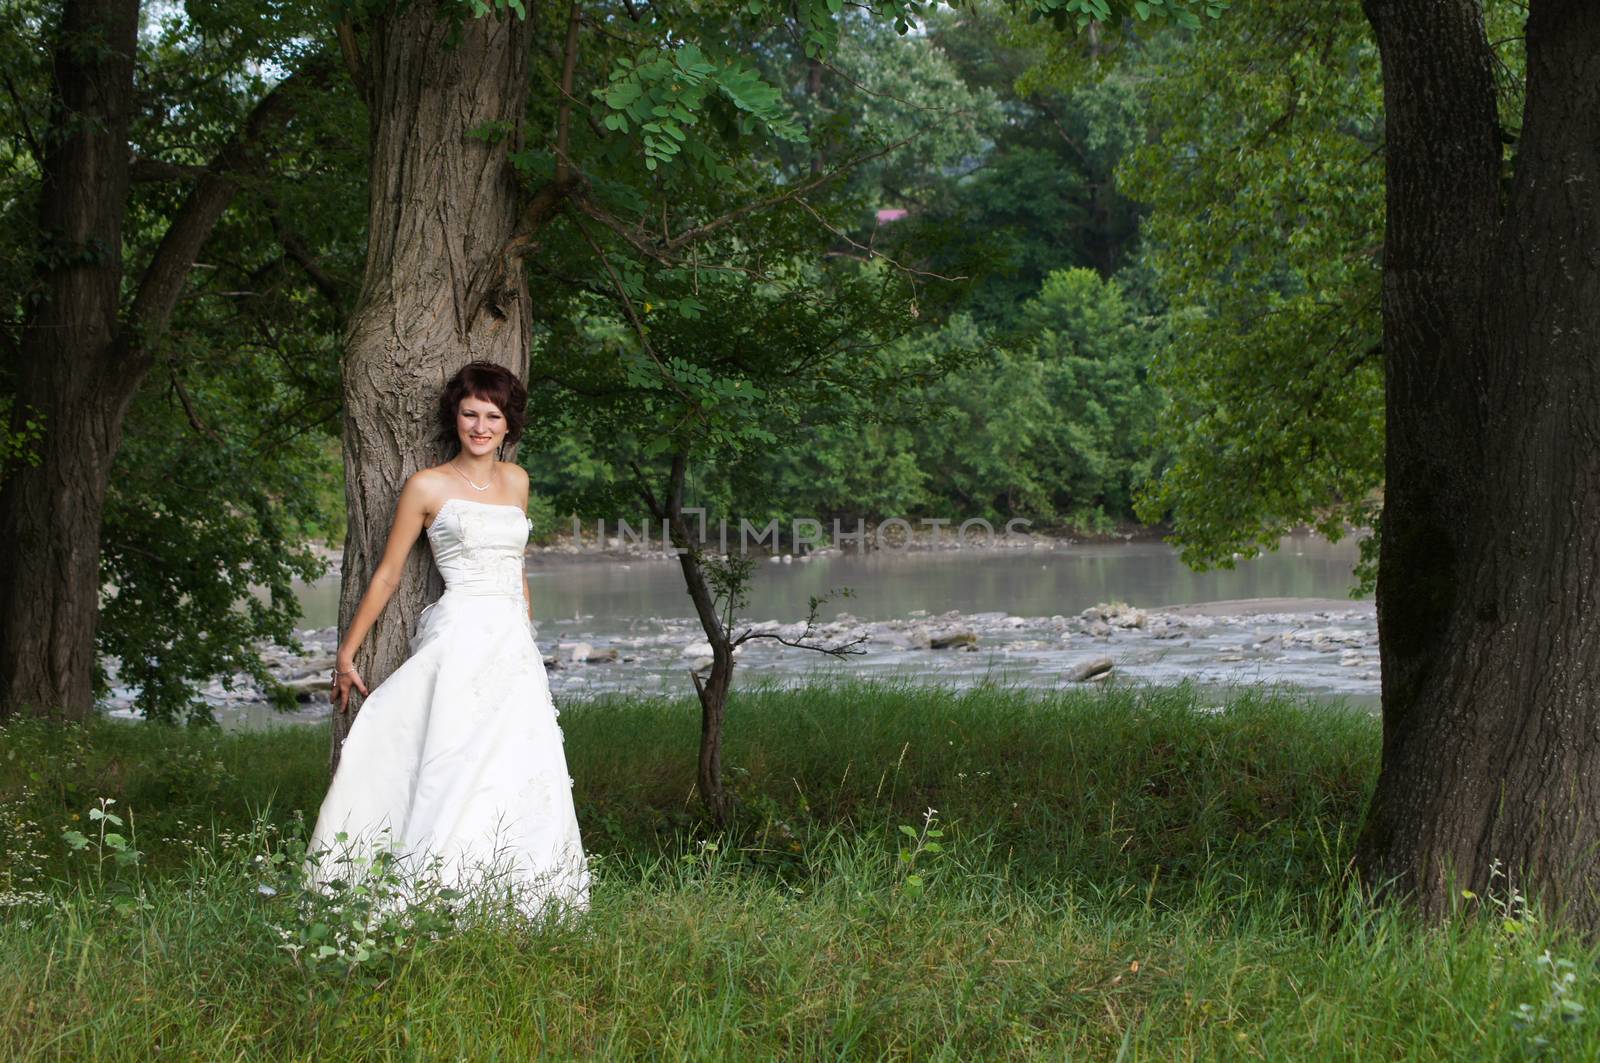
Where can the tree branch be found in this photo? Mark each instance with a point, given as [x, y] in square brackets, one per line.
[295, 247]
[145, 169]
[22, 117]
[354, 64]
[633, 314]
[663, 250]
[188, 406]
[163, 281]
[869, 252]
[569, 64]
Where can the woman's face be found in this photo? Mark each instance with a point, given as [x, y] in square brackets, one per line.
[481, 426]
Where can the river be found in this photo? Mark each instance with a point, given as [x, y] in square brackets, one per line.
[1286, 618]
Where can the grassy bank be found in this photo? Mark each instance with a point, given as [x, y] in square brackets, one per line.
[1116, 876]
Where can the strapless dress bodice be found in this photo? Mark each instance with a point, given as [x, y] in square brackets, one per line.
[478, 546]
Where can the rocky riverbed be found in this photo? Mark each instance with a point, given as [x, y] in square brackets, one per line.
[1322, 646]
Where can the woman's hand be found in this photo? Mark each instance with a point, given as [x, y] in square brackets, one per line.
[417, 499]
[344, 679]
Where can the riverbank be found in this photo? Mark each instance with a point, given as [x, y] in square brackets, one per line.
[1119, 875]
[1327, 647]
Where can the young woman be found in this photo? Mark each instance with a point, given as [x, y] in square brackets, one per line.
[455, 762]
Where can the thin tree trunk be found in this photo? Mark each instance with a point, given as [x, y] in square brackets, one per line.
[1489, 580]
[437, 293]
[712, 690]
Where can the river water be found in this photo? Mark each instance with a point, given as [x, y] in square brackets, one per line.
[1017, 614]
[594, 597]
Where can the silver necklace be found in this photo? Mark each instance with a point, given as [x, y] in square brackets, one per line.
[470, 484]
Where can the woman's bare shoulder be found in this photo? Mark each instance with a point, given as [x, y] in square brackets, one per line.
[518, 474]
[426, 487]
[432, 477]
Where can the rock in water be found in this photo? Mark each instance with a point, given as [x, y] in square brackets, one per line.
[1093, 668]
[309, 688]
[952, 640]
[307, 667]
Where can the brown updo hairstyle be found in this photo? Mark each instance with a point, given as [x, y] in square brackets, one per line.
[490, 383]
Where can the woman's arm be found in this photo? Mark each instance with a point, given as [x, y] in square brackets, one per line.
[409, 514]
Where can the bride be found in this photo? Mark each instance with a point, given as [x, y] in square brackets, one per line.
[454, 764]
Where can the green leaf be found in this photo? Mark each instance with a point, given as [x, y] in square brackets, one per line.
[622, 93]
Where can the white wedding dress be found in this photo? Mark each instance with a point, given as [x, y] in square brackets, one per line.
[455, 762]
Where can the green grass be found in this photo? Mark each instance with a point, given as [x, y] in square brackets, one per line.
[1122, 876]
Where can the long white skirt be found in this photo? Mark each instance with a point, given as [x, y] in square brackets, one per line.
[455, 766]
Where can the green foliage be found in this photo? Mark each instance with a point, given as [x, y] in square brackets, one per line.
[664, 92]
[1043, 196]
[772, 319]
[731, 384]
[1265, 184]
[1054, 424]
[906, 97]
[1080, 13]
[206, 533]
[18, 437]
[1029, 426]
[26, 62]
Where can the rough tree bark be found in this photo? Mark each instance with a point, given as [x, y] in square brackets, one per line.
[440, 289]
[83, 358]
[1489, 581]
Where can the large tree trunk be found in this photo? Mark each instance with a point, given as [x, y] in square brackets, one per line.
[437, 292]
[70, 371]
[1489, 581]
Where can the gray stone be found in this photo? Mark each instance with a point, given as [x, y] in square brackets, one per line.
[1093, 668]
[310, 688]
